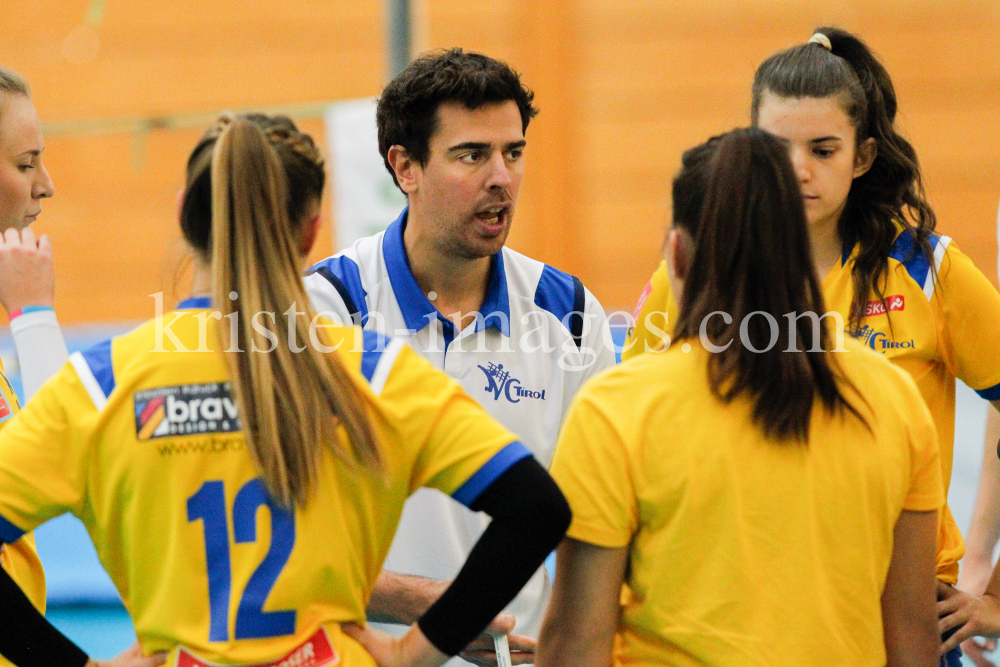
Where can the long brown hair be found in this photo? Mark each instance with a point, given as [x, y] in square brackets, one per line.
[752, 256]
[250, 182]
[890, 195]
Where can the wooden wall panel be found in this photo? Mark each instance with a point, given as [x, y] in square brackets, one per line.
[658, 77]
[631, 85]
[624, 88]
[113, 220]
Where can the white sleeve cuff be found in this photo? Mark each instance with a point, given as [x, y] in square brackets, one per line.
[41, 349]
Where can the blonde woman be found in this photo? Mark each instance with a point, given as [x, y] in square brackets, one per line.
[27, 293]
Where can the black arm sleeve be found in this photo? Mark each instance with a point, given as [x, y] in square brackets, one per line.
[530, 517]
[26, 638]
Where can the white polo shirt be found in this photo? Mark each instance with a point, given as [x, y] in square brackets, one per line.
[520, 359]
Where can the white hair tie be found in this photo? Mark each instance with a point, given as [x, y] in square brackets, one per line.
[822, 40]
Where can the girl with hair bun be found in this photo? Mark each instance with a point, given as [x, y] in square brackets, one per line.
[241, 463]
[903, 289]
[762, 503]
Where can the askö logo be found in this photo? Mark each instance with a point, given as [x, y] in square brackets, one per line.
[878, 341]
[500, 382]
[894, 302]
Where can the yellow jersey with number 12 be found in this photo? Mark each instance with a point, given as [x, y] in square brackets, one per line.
[936, 330]
[140, 437]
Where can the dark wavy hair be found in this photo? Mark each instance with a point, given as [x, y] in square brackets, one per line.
[890, 195]
[407, 109]
[752, 256]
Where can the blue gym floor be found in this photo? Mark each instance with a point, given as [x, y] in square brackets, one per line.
[84, 604]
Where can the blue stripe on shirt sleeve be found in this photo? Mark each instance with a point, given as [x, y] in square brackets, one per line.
[374, 346]
[991, 394]
[555, 293]
[98, 358]
[9, 532]
[485, 476]
[345, 276]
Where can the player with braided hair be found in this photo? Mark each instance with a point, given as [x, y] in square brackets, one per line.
[242, 476]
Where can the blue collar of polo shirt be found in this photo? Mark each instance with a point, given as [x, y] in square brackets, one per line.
[195, 303]
[417, 309]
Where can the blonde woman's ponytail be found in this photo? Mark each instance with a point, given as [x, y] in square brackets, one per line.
[291, 402]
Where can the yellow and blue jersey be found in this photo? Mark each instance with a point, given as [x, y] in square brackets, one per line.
[940, 320]
[140, 438]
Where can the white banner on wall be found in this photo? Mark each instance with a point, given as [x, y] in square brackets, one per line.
[365, 200]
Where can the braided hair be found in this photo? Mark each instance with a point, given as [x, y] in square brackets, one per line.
[303, 163]
[251, 180]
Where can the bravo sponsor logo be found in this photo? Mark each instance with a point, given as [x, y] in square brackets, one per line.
[186, 409]
[502, 384]
[878, 341]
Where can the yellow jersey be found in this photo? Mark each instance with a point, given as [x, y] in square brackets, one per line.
[936, 330]
[20, 558]
[742, 550]
[140, 438]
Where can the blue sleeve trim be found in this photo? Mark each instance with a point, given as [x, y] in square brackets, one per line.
[556, 293]
[374, 346]
[99, 359]
[9, 532]
[485, 476]
[991, 394]
[195, 303]
[35, 309]
[345, 276]
[915, 261]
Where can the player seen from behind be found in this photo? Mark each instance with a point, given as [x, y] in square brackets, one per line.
[241, 465]
[764, 504]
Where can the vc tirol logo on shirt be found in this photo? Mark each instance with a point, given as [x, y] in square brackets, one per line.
[186, 409]
[500, 382]
[878, 341]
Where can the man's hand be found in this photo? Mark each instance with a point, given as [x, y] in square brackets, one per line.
[404, 598]
[131, 657]
[411, 650]
[482, 652]
[975, 575]
[26, 274]
[973, 615]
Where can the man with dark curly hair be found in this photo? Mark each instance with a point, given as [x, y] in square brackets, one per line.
[520, 336]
